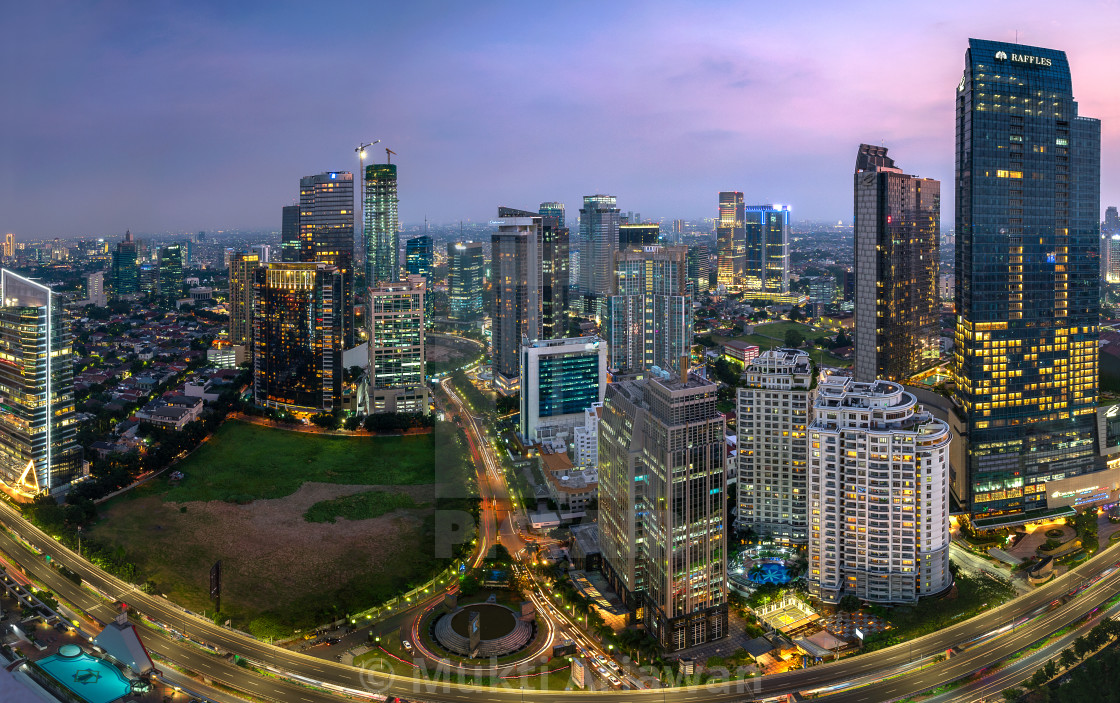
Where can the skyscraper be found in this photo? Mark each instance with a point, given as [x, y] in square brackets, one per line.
[1110, 232]
[39, 452]
[464, 281]
[289, 235]
[124, 272]
[396, 347]
[554, 273]
[242, 268]
[297, 337]
[662, 505]
[515, 252]
[1027, 292]
[170, 285]
[598, 241]
[699, 273]
[638, 235]
[878, 494]
[731, 241]
[897, 231]
[418, 257]
[326, 233]
[560, 380]
[648, 316]
[772, 461]
[767, 248]
[382, 240]
[9, 245]
[555, 210]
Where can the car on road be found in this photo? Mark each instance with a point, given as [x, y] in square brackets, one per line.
[603, 671]
[407, 645]
[614, 680]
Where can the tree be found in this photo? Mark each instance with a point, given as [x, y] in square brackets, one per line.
[842, 340]
[794, 339]
[1068, 658]
[849, 603]
[1012, 694]
[1081, 647]
[795, 313]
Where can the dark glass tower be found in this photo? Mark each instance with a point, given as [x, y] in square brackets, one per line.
[1027, 224]
[555, 274]
[171, 273]
[418, 256]
[515, 252]
[638, 235]
[126, 273]
[897, 222]
[767, 248]
[464, 281]
[326, 233]
[289, 234]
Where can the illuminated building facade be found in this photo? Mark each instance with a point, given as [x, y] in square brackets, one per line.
[897, 232]
[560, 380]
[662, 505]
[648, 317]
[326, 233]
[241, 269]
[555, 289]
[555, 210]
[170, 279]
[516, 261]
[39, 452]
[381, 235]
[878, 494]
[731, 241]
[464, 281]
[699, 263]
[297, 337]
[418, 257]
[396, 347]
[767, 248]
[772, 462]
[599, 220]
[1027, 284]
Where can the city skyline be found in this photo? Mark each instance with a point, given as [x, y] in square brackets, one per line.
[182, 104]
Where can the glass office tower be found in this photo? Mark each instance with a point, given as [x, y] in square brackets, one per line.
[464, 281]
[125, 271]
[289, 234]
[638, 235]
[555, 288]
[418, 256]
[598, 241]
[171, 273]
[382, 240]
[1027, 299]
[731, 245]
[326, 233]
[39, 452]
[766, 266]
[516, 261]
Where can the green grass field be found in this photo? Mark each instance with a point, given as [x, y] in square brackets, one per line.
[244, 462]
[358, 506]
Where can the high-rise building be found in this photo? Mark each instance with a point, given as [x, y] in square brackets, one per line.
[396, 347]
[731, 241]
[678, 231]
[1112, 267]
[297, 337]
[767, 248]
[326, 233]
[554, 272]
[1027, 292]
[148, 277]
[515, 253]
[598, 241]
[878, 494]
[124, 271]
[1110, 233]
[242, 270]
[648, 316]
[662, 505]
[464, 281]
[95, 289]
[170, 286]
[418, 257]
[897, 232]
[699, 273]
[560, 380]
[263, 252]
[290, 247]
[639, 235]
[772, 462]
[39, 452]
[381, 236]
[555, 210]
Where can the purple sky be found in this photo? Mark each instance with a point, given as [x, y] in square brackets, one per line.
[198, 115]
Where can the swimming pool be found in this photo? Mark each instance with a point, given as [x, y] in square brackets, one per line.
[91, 679]
[769, 572]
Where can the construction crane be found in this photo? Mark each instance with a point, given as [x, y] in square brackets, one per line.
[388, 158]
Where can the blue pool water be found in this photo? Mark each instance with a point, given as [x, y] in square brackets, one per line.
[92, 679]
[769, 572]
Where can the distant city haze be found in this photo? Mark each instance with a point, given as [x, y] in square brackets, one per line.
[204, 115]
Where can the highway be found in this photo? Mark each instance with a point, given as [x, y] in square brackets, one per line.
[354, 680]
